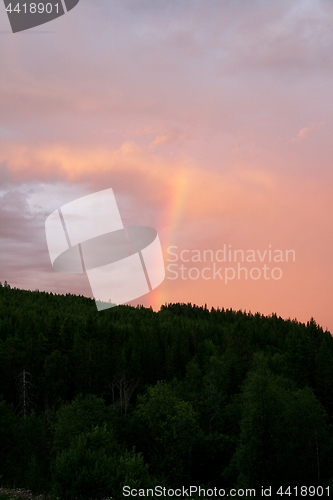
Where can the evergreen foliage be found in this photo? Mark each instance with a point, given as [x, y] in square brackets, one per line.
[91, 401]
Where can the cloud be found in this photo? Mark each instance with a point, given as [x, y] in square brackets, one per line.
[170, 136]
[306, 132]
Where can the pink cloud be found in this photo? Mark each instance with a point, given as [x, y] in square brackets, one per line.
[307, 131]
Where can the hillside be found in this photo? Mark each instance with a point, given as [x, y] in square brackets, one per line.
[92, 401]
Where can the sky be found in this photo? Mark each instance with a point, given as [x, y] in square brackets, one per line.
[211, 120]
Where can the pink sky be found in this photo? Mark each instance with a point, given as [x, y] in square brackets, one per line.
[211, 120]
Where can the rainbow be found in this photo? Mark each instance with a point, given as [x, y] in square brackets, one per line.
[173, 214]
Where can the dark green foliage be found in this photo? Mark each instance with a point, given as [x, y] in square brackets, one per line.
[94, 466]
[170, 429]
[132, 397]
[8, 438]
[24, 457]
[79, 417]
[284, 435]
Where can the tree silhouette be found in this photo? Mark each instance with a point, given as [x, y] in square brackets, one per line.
[26, 394]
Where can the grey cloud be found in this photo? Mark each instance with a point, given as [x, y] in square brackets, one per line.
[24, 257]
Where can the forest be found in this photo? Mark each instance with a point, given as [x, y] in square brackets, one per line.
[92, 401]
